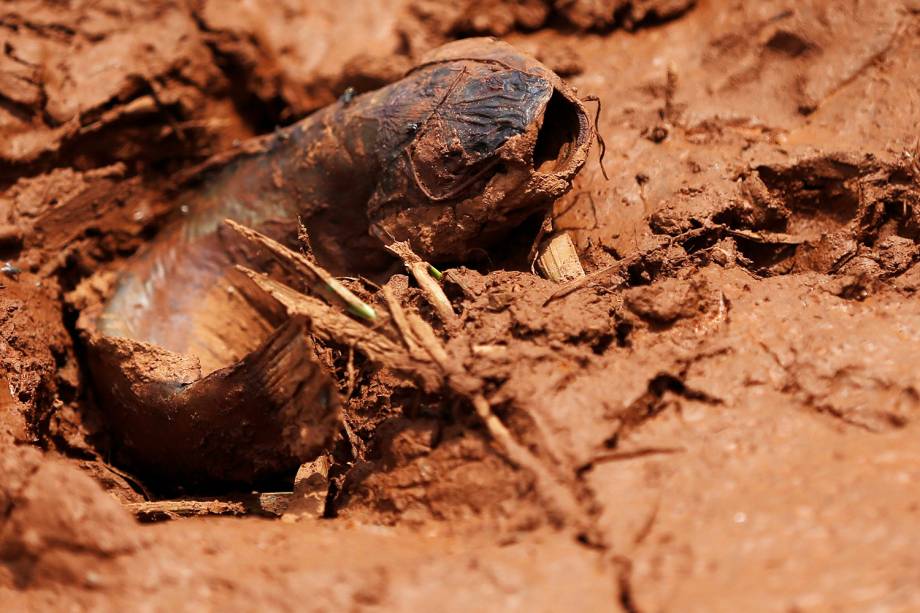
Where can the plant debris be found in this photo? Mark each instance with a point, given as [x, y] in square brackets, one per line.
[422, 357]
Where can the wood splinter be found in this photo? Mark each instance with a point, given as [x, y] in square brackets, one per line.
[270, 504]
[558, 259]
[424, 275]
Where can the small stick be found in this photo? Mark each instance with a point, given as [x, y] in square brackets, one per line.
[556, 494]
[306, 244]
[766, 238]
[546, 227]
[271, 504]
[125, 475]
[427, 277]
[399, 320]
[601, 145]
[325, 284]
[579, 283]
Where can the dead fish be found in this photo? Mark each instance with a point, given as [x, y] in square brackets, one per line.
[196, 380]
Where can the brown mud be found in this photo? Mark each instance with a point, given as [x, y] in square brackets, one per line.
[729, 399]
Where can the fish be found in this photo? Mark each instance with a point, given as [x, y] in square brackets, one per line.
[202, 379]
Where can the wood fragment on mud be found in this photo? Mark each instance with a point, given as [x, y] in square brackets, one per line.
[271, 504]
[616, 267]
[558, 259]
[311, 487]
[324, 283]
[421, 272]
[581, 282]
[767, 238]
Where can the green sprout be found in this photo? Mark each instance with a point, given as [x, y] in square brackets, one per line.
[353, 304]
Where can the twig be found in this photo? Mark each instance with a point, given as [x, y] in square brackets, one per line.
[125, 475]
[546, 227]
[272, 504]
[766, 238]
[399, 320]
[602, 146]
[579, 283]
[350, 373]
[324, 283]
[422, 272]
[303, 235]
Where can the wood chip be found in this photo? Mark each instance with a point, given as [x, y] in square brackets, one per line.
[324, 283]
[311, 486]
[558, 259]
[421, 271]
[272, 504]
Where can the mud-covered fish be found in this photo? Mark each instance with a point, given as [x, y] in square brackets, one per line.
[196, 382]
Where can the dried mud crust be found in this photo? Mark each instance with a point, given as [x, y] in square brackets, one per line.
[730, 395]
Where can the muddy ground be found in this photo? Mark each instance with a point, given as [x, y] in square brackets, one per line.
[732, 397]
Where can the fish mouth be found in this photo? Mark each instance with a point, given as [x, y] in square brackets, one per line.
[550, 141]
[563, 137]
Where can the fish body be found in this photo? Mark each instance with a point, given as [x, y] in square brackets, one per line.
[451, 158]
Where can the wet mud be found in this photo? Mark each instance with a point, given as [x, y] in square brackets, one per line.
[719, 416]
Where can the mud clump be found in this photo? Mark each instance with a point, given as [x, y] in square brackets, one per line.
[726, 405]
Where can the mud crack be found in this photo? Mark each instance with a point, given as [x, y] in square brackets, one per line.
[653, 402]
[867, 419]
[623, 572]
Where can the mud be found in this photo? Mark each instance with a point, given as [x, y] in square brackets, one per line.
[729, 396]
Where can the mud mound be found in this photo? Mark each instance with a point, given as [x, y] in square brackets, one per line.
[720, 415]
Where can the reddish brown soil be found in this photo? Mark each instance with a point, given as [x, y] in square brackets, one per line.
[731, 399]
